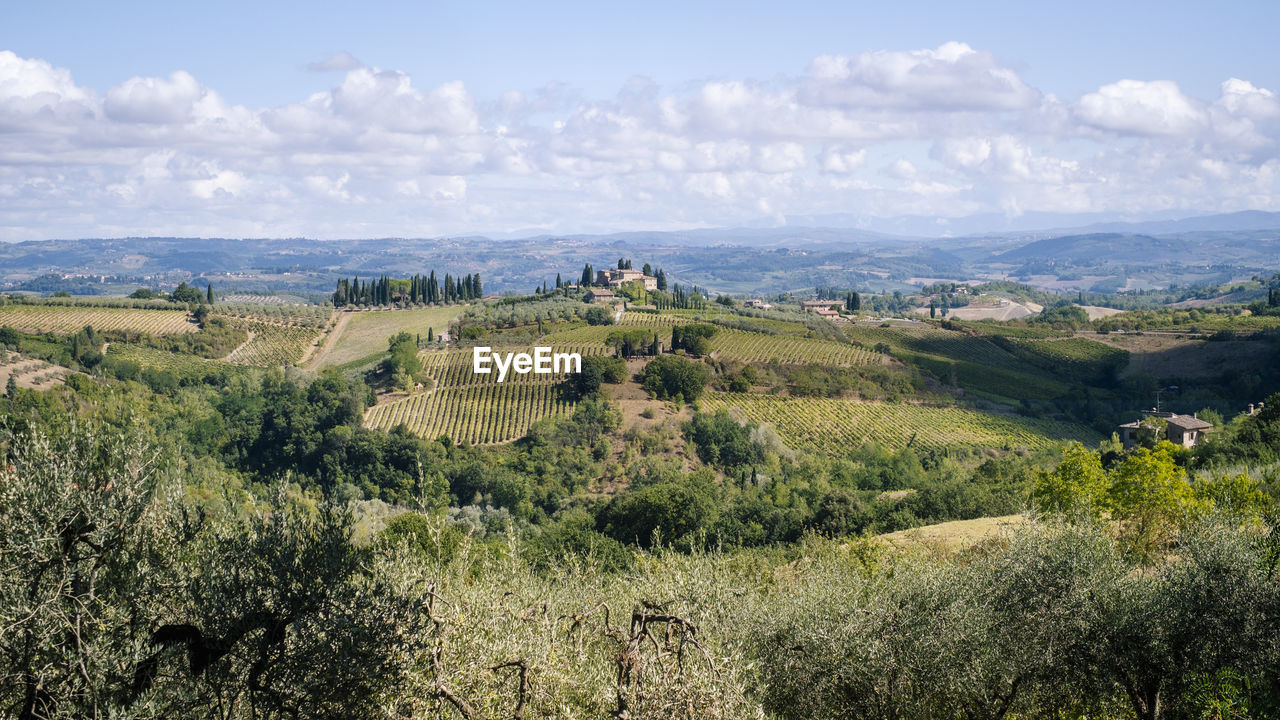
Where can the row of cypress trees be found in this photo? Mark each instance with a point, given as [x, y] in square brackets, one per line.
[419, 289]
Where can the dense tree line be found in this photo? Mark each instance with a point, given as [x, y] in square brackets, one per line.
[416, 290]
[678, 298]
[693, 338]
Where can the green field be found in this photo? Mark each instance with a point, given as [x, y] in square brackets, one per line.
[271, 345]
[834, 427]
[1078, 358]
[758, 347]
[177, 363]
[477, 414]
[366, 332]
[65, 319]
[981, 366]
[466, 406]
[476, 408]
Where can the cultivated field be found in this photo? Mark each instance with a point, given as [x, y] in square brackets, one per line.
[1096, 312]
[263, 299]
[271, 345]
[653, 320]
[833, 427]
[477, 414]
[1007, 310]
[1078, 357]
[758, 347]
[1172, 356]
[476, 408]
[65, 319]
[316, 316]
[177, 363]
[366, 333]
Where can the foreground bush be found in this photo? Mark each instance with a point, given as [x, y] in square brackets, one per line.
[120, 599]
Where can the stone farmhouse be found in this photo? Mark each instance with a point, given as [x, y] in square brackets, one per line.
[814, 306]
[616, 278]
[1185, 430]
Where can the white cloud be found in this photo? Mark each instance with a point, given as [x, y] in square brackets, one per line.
[943, 131]
[953, 76]
[33, 93]
[839, 160]
[220, 183]
[154, 100]
[1142, 108]
[902, 169]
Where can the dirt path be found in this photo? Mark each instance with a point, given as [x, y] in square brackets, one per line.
[320, 354]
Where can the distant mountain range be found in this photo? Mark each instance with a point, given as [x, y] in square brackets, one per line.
[1041, 224]
[1101, 257]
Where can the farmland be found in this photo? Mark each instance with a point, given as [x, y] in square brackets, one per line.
[1079, 358]
[653, 320]
[833, 427]
[366, 333]
[177, 363]
[758, 347]
[315, 316]
[978, 364]
[475, 408]
[452, 368]
[475, 413]
[64, 319]
[272, 345]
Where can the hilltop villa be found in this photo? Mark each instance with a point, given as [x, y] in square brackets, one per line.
[616, 278]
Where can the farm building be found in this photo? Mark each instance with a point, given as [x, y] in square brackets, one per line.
[754, 303]
[616, 278]
[816, 305]
[1184, 430]
[600, 295]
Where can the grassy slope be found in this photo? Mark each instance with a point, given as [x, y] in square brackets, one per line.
[367, 332]
[954, 535]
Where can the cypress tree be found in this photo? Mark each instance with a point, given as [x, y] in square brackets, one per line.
[208, 295]
[559, 284]
[476, 286]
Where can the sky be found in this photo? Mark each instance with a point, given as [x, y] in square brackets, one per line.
[374, 119]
